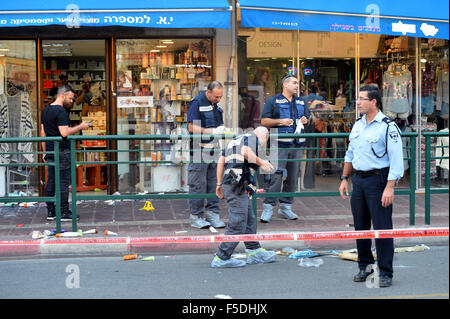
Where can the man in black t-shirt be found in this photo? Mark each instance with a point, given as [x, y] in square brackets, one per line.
[55, 121]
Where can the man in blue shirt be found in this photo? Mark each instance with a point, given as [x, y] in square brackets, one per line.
[375, 156]
[205, 117]
[287, 113]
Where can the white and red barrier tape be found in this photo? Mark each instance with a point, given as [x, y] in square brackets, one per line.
[334, 235]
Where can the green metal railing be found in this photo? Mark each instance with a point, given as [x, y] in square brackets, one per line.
[55, 152]
[428, 158]
[73, 139]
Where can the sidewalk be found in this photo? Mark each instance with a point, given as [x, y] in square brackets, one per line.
[171, 218]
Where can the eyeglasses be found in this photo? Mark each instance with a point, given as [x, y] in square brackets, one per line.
[363, 99]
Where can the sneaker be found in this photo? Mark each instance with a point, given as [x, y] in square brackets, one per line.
[214, 220]
[198, 222]
[229, 263]
[67, 217]
[51, 215]
[266, 214]
[285, 211]
[260, 256]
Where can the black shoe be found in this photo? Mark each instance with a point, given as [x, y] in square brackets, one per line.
[385, 281]
[67, 217]
[51, 215]
[362, 276]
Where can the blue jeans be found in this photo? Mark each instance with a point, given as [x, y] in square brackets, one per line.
[64, 181]
[427, 105]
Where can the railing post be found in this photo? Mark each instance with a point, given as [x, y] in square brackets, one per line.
[427, 178]
[412, 181]
[57, 186]
[73, 178]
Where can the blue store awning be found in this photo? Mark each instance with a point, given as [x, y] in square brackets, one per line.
[411, 18]
[135, 13]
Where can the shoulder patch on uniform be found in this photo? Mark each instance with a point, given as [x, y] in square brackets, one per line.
[394, 136]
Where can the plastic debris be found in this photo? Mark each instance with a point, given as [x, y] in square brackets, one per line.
[63, 230]
[110, 202]
[181, 232]
[29, 204]
[48, 233]
[307, 262]
[307, 253]
[411, 249]
[220, 296]
[212, 229]
[110, 233]
[149, 258]
[36, 234]
[130, 257]
[90, 231]
[20, 225]
[148, 206]
[78, 233]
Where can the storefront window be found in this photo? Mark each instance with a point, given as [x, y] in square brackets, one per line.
[324, 63]
[18, 116]
[156, 79]
[433, 107]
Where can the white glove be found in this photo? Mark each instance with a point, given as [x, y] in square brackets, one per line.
[299, 129]
[218, 130]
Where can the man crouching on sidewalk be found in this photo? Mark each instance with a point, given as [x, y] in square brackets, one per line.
[235, 182]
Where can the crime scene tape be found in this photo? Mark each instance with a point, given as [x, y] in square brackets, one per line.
[332, 235]
[370, 234]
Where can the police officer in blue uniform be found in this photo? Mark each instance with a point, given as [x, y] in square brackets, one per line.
[235, 182]
[288, 114]
[205, 117]
[375, 157]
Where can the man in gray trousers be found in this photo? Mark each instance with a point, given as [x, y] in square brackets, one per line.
[235, 182]
[287, 113]
[205, 117]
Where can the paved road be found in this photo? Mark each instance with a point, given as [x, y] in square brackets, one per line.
[417, 275]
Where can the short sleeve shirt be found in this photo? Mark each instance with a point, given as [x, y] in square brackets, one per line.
[52, 117]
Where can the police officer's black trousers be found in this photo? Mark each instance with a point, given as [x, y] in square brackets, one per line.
[367, 209]
[241, 220]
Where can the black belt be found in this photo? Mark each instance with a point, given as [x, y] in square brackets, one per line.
[372, 172]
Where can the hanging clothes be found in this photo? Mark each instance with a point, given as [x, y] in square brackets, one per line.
[442, 98]
[397, 94]
[16, 120]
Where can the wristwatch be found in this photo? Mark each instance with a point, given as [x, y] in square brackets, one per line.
[219, 184]
[344, 177]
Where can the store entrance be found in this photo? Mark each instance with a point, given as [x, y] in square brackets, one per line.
[82, 65]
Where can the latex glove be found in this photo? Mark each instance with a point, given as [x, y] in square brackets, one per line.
[299, 129]
[218, 130]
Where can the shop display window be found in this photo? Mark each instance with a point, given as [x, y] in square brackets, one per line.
[156, 80]
[18, 117]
